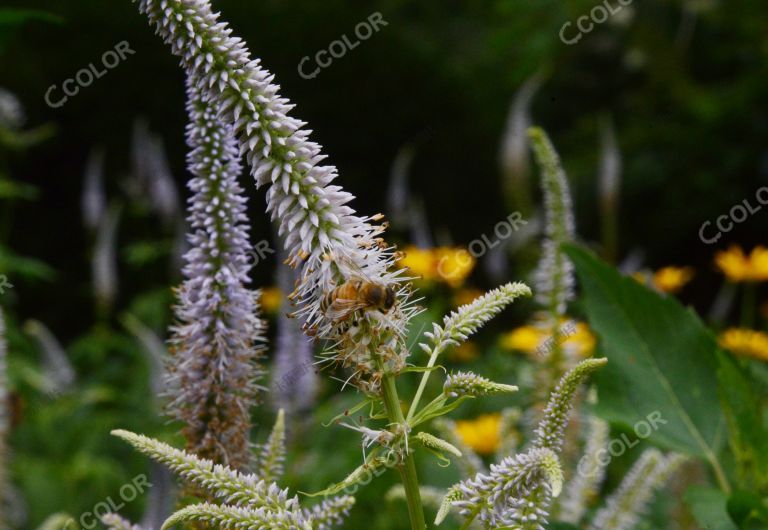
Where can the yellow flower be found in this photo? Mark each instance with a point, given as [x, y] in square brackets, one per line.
[524, 338]
[465, 352]
[745, 342]
[420, 261]
[738, 267]
[672, 279]
[447, 264]
[575, 337]
[465, 296]
[581, 340]
[453, 265]
[271, 299]
[481, 434]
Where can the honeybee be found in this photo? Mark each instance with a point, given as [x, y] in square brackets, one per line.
[355, 294]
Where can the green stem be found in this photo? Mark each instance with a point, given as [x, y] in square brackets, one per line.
[408, 468]
[748, 302]
[423, 384]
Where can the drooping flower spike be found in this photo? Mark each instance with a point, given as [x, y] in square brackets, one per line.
[320, 231]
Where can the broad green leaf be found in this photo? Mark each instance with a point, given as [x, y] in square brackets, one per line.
[708, 507]
[747, 433]
[662, 362]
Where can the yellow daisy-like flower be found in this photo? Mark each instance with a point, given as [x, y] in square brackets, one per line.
[453, 265]
[525, 338]
[672, 279]
[746, 342]
[576, 337]
[446, 264]
[465, 352]
[481, 434]
[271, 299]
[738, 267]
[420, 261]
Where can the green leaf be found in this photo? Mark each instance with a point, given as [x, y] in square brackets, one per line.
[348, 412]
[16, 265]
[662, 362]
[420, 369]
[362, 474]
[748, 436]
[436, 409]
[747, 510]
[708, 507]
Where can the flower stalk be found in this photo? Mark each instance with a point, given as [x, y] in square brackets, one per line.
[407, 467]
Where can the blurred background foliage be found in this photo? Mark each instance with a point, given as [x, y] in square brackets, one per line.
[684, 83]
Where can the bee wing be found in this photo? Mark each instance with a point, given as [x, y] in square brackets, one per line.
[341, 308]
[353, 269]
